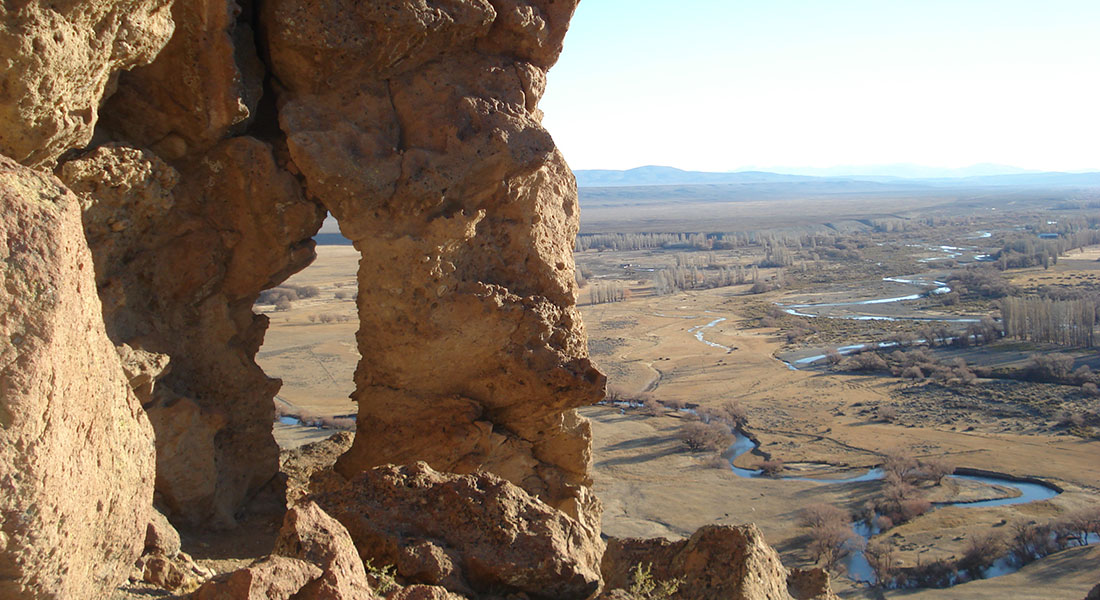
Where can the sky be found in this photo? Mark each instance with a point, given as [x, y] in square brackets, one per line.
[726, 85]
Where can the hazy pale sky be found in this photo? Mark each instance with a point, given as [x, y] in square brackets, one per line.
[722, 85]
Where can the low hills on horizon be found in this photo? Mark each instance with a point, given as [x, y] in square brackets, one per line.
[669, 188]
[974, 176]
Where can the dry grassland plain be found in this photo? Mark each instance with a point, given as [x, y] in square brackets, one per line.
[821, 423]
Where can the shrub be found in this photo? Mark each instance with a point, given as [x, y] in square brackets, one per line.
[1031, 541]
[898, 463]
[821, 515]
[651, 407]
[900, 501]
[383, 578]
[864, 361]
[887, 413]
[282, 304]
[1049, 367]
[832, 542]
[936, 574]
[732, 413]
[981, 552]
[771, 468]
[701, 437]
[643, 586]
[341, 295]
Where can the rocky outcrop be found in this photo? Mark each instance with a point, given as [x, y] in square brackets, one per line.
[61, 58]
[810, 584]
[76, 450]
[472, 534]
[181, 254]
[416, 124]
[204, 86]
[731, 563]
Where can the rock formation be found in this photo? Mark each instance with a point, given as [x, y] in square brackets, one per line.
[472, 534]
[59, 59]
[181, 254]
[732, 563]
[76, 450]
[416, 124]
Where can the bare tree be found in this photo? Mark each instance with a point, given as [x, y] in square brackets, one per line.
[935, 469]
[981, 551]
[881, 555]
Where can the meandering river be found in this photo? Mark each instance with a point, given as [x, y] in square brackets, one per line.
[856, 564]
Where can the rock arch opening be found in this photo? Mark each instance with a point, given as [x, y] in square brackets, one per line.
[310, 343]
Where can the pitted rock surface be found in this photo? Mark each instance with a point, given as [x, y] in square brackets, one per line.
[472, 534]
[76, 450]
[60, 60]
[416, 124]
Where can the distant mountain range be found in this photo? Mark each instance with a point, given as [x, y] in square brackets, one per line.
[975, 176]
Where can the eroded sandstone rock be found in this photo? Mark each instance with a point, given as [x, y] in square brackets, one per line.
[273, 578]
[76, 450]
[416, 124]
[311, 535]
[203, 86]
[58, 59]
[810, 584]
[424, 592]
[181, 253]
[469, 533]
[731, 563]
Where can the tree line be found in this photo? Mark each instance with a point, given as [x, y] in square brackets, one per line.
[1063, 322]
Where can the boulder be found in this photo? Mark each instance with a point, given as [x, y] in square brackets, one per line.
[273, 578]
[160, 537]
[717, 561]
[76, 450]
[472, 534]
[311, 535]
[810, 584]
